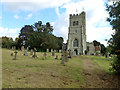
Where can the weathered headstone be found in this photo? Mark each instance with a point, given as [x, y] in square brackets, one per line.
[51, 50]
[107, 56]
[53, 53]
[25, 53]
[60, 51]
[69, 54]
[56, 57]
[31, 52]
[15, 55]
[12, 48]
[27, 48]
[64, 54]
[54, 50]
[47, 50]
[44, 56]
[34, 53]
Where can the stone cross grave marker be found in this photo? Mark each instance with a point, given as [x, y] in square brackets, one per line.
[15, 55]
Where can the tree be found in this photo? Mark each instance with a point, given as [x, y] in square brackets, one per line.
[7, 42]
[25, 32]
[114, 19]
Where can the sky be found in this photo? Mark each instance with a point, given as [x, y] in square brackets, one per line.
[17, 13]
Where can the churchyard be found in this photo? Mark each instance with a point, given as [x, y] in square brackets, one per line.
[45, 71]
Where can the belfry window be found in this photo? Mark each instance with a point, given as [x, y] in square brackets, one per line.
[75, 23]
[75, 43]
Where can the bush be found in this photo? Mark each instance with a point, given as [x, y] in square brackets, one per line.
[115, 65]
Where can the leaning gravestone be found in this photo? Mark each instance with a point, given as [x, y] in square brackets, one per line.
[25, 53]
[15, 55]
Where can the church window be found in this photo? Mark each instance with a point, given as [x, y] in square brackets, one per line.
[75, 43]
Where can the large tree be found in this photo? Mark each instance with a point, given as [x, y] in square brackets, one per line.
[114, 19]
[25, 32]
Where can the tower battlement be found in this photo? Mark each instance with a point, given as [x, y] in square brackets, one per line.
[80, 14]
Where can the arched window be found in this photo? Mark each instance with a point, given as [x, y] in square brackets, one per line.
[75, 43]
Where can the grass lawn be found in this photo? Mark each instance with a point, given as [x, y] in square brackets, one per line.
[28, 72]
[102, 62]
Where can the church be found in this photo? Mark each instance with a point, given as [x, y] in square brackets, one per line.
[76, 42]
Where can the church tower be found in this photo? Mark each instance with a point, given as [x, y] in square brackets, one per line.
[77, 33]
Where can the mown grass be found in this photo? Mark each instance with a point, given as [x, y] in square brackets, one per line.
[102, 62]
[28, 72]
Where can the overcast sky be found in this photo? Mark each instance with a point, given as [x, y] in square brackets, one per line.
[17, 13]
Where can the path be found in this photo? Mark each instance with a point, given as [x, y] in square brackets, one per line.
[96, 77]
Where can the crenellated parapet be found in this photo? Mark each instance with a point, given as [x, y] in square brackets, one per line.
[80, 14]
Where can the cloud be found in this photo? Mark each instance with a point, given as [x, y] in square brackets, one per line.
[32, 5]
[12, 32]
[16, 16]
[28, 16]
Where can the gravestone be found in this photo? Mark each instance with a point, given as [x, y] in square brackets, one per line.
[107, 57]
[64, 54]
[54, 50]
[44, 56]
[15, 55]
[51, 50]
[12, 48]
[53, 53]
[69, 54]
[60, 51]
[31, 52]
[25, 53]
[47, 50]
[27, 48]
[34, 56]
[56, 57]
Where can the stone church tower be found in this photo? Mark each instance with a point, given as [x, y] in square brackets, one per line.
[77, 33]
